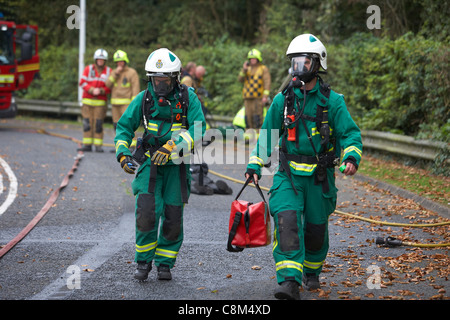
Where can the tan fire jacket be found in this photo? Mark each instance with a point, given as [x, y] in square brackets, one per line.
[124, 86]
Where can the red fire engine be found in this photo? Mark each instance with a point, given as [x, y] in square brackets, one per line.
[19, 62]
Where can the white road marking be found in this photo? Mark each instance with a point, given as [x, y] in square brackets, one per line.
[12, 186]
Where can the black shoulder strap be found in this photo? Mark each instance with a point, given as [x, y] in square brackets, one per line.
[184, 100]
[147, 105]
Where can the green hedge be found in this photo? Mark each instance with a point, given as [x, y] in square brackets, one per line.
[396, 85]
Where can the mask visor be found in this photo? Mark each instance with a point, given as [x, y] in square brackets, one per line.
[303, 64]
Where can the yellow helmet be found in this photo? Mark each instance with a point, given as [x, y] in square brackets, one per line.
[120, 55]
[255, 53]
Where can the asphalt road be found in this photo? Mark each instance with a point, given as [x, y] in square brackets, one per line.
[83, 248]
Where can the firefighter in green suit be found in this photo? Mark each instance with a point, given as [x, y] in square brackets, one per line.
[314, 125]
[173, 122]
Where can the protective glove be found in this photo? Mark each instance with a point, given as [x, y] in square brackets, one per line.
[161, 156]
[252, 173]
[128, 164]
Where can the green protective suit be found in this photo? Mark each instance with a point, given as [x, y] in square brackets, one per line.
[301, 216]
[159, 201]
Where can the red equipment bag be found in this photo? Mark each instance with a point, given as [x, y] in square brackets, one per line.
[249, 225]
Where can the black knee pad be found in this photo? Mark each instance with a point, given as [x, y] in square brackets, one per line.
[86, 125]
[288, 230]
[172, 224]
[145, 212]
[99, 126]
[314, 236]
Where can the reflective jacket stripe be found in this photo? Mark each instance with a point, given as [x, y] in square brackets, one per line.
[352, 148]
[187, 137]
[121, 143]
[302, 166]
[256, 160]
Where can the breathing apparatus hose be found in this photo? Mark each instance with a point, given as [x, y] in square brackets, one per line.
[386, 223]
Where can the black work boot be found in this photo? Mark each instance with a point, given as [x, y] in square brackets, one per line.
[85, 148]
[99, 149]
[164, 272]
[311, 281]
[288, 290]
[142, 270]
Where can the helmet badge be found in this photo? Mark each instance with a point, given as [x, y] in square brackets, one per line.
[159, 64]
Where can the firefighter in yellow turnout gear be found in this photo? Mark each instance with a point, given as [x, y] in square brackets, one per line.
[256, 89]
[124, 85]
[314, 126]
[173, 122]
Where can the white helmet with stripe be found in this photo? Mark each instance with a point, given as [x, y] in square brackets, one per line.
[101, 54]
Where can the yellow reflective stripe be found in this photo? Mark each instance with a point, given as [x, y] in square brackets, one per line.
[313, 265]
[266, 92]
[120, 101]
[275, 241]
[112, 79]
[147, 247]
[28, 67]
[289, 264]
[6, 78]
[352, 148]
[176, 126]
[93, 102]
[121, 143]
[152, 126]
[98, 141]
[186, 136]
[166, 253]
[302, 166]
[256, 160]
[87, 140]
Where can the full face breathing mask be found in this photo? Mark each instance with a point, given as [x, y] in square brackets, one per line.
[304, 67]
[162, 89]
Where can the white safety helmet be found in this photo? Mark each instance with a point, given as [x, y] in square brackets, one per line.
[163, 62]
[100, 54]
[308, 44]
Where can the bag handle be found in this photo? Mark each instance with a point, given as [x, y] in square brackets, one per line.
[237, 219]
[257, 188]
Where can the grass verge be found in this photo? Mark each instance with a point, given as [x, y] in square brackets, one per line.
[416, 180]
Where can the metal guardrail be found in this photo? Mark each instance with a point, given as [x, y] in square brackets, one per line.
[403, 145]
[382, 141]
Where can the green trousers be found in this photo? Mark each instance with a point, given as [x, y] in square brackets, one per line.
[301, 224]
[159, 215]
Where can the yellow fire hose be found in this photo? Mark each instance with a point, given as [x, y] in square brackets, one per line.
[387, 223]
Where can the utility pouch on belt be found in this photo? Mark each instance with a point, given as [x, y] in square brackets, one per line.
[139, 152]
[249, 225]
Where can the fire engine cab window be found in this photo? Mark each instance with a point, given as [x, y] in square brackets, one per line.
[6, 45]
